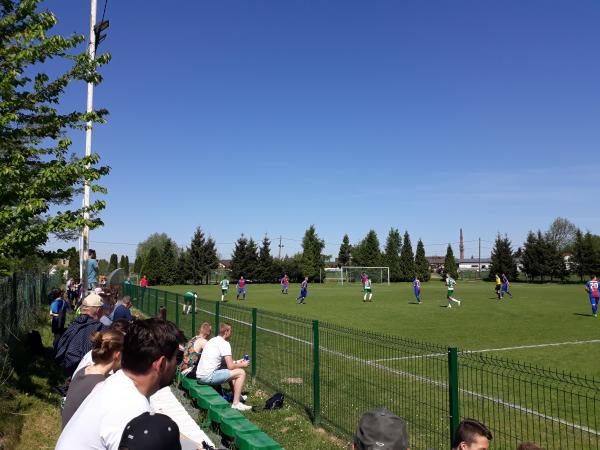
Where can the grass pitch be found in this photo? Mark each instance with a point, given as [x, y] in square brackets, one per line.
[549, 325]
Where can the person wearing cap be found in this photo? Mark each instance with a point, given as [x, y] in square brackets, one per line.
[381, 429]
[472, 435]
[75, 341]
[148, 363]
[151, 432]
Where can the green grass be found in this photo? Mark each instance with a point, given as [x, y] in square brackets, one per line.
[29, 409]
[538, 314]
[406, 370]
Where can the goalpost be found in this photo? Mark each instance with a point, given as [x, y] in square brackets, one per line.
[352, 274]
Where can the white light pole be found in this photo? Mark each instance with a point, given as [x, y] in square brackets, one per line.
[85, 234]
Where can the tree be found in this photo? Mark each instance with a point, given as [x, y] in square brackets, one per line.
[586, 259]
[450, 267]
[407, 260]
[503, 259]
[391, 256]
[345, 252]
[561, 234]
[266, 272]
[155, 240]
[367, 252]
[73, 268]
[312, 257]
[242, 259]
[201, 258]
[183, 267]
[103, 267]
[124, 264]
[153, 267]
[39, 176]
[137, 265]
[113, 264]
[168, 263]
[421, 263]
[532, 256]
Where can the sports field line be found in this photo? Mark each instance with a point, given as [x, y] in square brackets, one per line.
[423, 379]
[485, 350]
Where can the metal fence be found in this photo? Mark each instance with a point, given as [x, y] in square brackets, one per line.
[21, 297]
[336, 373]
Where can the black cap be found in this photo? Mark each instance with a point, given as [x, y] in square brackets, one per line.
[380, 429]
[150, 431]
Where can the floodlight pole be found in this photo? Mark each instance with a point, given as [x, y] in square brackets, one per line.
[85, 234]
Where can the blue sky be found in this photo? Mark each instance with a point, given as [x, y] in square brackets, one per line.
[268, 116]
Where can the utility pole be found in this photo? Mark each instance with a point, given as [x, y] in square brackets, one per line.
[85, 235]
[479, 258]
[280, 246]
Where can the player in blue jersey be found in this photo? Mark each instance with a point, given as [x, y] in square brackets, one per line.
[593, 289]
[417, 289]
[241, 289]
[303, 291]
[505, 285]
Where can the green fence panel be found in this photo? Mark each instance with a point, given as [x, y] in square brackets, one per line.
[453, 387]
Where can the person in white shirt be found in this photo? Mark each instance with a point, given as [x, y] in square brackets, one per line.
[217, 366]
[148, 363]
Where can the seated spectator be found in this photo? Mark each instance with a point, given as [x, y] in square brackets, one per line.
[122, 310]
[380, 428]
[120, 325]
[193, 350]
[107, 306]
[472, 435]
[75, 341]
[151, 432]
[148, 363]
[58, 312]
[529, 446]
[106, 354]
[216, 366]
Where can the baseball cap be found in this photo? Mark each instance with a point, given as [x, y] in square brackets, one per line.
[92, 299]
[150, 431]
[382, 430]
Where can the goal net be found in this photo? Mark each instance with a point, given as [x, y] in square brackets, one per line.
[354, 274]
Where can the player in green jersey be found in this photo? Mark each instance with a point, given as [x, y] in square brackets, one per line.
[450, 283]
[367, 290]
[224, 288]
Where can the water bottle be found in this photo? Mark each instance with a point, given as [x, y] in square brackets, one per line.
[246, 358]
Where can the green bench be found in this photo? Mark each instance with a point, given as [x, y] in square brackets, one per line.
[255, 441]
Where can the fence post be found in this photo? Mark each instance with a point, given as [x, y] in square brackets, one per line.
[193, 317]
[155, 302]
[253, 366]
[217, 316]
[316, 375]
[177, 310]
[453, 391]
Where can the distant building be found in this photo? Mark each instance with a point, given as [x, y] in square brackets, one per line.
[472, 264]
[436, 263]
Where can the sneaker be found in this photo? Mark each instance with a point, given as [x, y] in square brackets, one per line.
[595, 315]
[242, 407]
[449, 306]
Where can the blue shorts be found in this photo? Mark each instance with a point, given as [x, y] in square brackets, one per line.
[219, 376]
[594, 300]
[417, 292]
[505, 287]
[242, 290]
[303, 293]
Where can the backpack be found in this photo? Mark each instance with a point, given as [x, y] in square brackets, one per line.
[275, 402]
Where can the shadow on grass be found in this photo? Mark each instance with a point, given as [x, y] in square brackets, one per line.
[584, 315]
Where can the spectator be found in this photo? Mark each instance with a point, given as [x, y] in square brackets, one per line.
[148, 363]
[529, 446]
[106, 356]
[92, 269]
[193, 350]
[122, 310]
[151, 432]
[144, 282]
[58, 312]
[75, 341]
[120, 325]
[381, 429]
[472, 435]
[107, 305]
[216, 366]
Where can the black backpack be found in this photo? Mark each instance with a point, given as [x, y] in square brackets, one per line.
[275, 402]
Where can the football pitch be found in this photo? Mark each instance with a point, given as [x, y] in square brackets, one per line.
[549, 325]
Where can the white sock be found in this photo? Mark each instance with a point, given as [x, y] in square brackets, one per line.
[370, 296]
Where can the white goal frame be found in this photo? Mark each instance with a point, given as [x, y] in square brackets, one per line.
[369, 270]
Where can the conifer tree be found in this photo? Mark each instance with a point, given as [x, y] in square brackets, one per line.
[113, 264]
[152, 268]
[73, 268]
[212, 258]
[201, 258]
[421, 263]
[392, 254]
[368, 253]
[312, 254]
[102, 267]
[407, 260]
[137, 265]
[503, 259]
[450, 267]
[168, 263]
[345, 252]
[532, 256]
[126, 265]
[251, 262]
[239, 258]
[266, 269]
